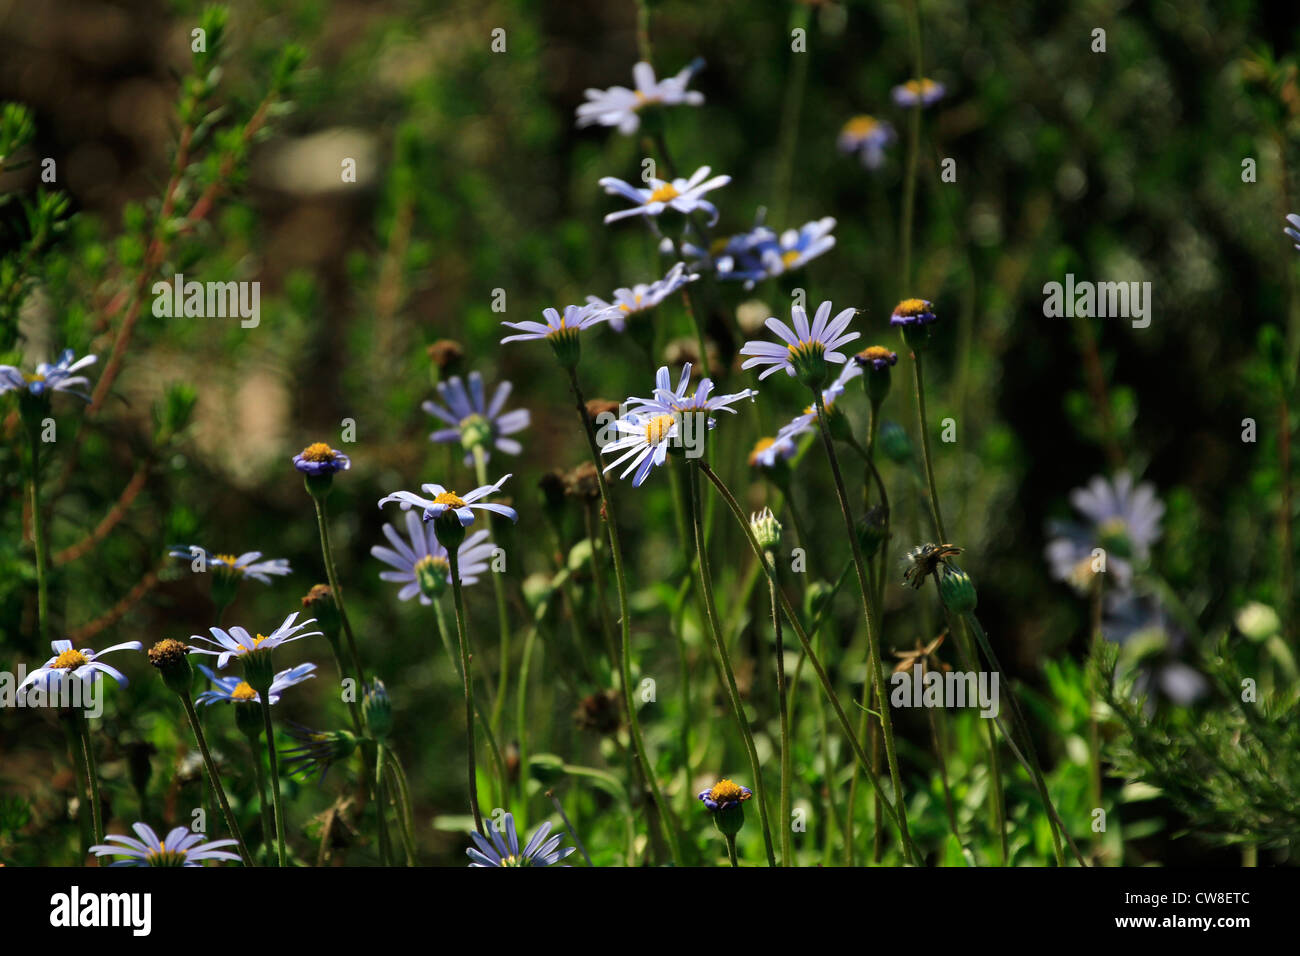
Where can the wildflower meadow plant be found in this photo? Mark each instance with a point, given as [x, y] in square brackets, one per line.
[771, 608]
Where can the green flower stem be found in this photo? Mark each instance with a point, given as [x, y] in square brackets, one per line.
[503, 615]
[468, 681]
[381, 806]
[568, 825]
[275, 782]
[92, 777]
[444, 635]
[873, 643]
[1031, 764]
[38, 538]
[782, 694]
[215, 780]
[406, 817]
[327, 553]
[909, 851]
[667, 818]
[521, 715]
[918, 379]
[78, 759]
[731, 850]
[711, 614]
[268, 826]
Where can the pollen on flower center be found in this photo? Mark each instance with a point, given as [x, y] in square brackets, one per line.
[912, 307]
[318, 451]
[790, 258]
[860, 125]
[450, 499]
[243, 691]
[69, 659]
[656, 430]
[725, 790]
[664, 193]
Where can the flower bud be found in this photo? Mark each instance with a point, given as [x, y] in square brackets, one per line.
[956, 589]
[895, 443]
[377, 710]
[767, 530]
[873, 529]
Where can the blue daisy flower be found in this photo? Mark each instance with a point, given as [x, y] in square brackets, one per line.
[319, 458]
[49, 377]
[421, 564]
[181, 847]
[912, 313]
[918, 93]
[682, 195]
[724, 795]
[69, 663]
[643, 297]
[246, 565]
[668, 400]
[442, 500]
[475, 421]
[237, 691]
[1123, 520]
[237, 642]
[868, 137]
[805, 349]
[539, 851]
[621, 107]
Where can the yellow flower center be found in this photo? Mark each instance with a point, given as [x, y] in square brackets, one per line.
[760, 446]
[33, 377]
[257, 642]
[725, 790]
[166, 858]
[664, 193]
[243, 692]
[656, 430]
[318, 451]
[228, 561]
[435, 565]
[450, 499]
[69, 659]
[875, 353]
[912, 307]
[861, 126]
[789, 258]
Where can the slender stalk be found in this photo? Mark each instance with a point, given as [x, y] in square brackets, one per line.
[275, 782]
[193, 718]
[616, 551]
[381, 809]
[918, 379]
[733, 693]
[92, 777]
[503, 615]
[559, 808]
[731, 851]
[909, 851]
[328, 554]
[787, 758]
[268, 826]
[405, 817]
[38, 538]
[1035, 770]
[873, 643]
[468, 682]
